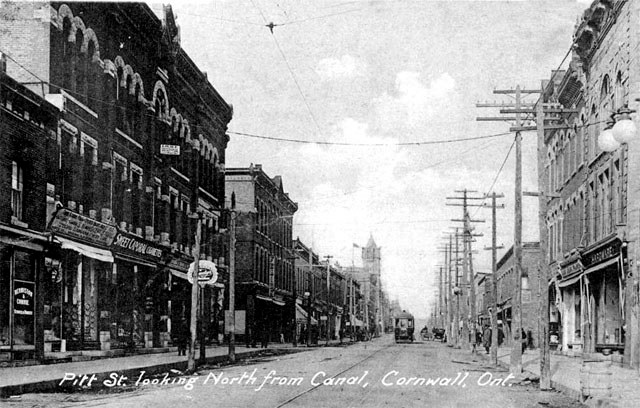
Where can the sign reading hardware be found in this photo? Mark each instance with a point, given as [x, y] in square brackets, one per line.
[77, 226]
[601, 254]
[133, 245]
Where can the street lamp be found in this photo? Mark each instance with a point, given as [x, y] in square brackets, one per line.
[620, 129]
[624, 130]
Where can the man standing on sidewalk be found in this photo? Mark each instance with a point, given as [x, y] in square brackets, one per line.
[486, 338]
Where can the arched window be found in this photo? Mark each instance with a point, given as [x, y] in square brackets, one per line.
[67, 54]
[80, 69]
[91, 77]
[618, 93]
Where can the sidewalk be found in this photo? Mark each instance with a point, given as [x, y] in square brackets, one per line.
[567, 376]
[40, 378]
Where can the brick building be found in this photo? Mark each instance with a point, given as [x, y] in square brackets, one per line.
[593, 224]
[531, 256]
[341, 310]
[122, 238]
[264, 253]
[28, 126]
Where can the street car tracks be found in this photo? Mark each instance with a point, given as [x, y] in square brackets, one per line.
[315, 387]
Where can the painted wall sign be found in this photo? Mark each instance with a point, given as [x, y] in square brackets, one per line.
[77, 226]
[130, 244]
[23, 298]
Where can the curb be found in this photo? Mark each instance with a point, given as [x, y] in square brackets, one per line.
[132, 374]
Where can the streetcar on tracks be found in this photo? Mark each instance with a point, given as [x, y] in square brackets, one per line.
[404, 326]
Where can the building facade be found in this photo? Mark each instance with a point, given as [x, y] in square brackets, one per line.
[264, 254]
[593, 223]
[28, 128]
[531, 257]
[138, 153]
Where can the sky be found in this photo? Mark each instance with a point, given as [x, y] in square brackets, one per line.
[380, 73]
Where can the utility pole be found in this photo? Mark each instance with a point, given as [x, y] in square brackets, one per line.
[440, 293]
[539, 110]
[232, 283]
[195, 288]
[468, 281]
[543, 272]
[328, 258]
[494, 278]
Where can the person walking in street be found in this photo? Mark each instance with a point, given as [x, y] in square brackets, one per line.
[486, 338]
[523, 340]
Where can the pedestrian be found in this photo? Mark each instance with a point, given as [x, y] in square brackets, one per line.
[486, 338]
[303, 335]
[524, 340]
[478, 339]
[264, 340]
[500, 336]
[182, 337]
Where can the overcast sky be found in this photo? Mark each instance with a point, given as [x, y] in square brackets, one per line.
[390, 71]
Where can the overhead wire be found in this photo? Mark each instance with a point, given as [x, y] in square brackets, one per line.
[293, 75]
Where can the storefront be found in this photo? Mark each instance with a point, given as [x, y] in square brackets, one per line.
[21, 264]
[570, 286]
[79, 260]
[137, 312]
[603, 292]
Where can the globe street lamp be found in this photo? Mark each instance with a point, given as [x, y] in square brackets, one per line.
[620, 129]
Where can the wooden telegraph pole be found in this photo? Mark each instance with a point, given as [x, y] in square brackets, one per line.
[468, 280]
[537, 110]
[494, 278]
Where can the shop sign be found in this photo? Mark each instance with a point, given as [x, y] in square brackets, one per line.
[23, 298]
[132, 245]
[571, 269]
[606, 252]
[207, 272]
[76, 226]
[179, 264]
[170, 150]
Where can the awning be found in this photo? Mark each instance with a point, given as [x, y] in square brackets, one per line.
[602, 265]
[301, 315]
[103, 255]
[270, 299]
[567, 282]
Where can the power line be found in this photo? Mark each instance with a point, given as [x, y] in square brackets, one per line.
[284, 57]
[418, 143]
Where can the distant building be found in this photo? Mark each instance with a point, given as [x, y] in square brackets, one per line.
[264, 253]
[531, 256]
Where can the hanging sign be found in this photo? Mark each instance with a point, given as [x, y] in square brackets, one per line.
[170, 150]
[23, 298]
[207, 272]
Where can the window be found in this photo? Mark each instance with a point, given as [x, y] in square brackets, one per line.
[16, 190]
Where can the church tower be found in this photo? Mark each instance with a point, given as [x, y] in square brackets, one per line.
[371, 265]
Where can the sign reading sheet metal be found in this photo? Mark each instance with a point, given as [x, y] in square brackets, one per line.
[77, 226]
[170, 150]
